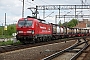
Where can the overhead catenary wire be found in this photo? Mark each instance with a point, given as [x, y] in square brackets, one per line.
[31, 2]
[84, 2]
[44, 2]
[25, 2]
[35, 3]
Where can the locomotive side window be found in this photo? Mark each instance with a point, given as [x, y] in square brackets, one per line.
[24, 23]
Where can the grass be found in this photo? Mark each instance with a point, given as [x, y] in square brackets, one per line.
[3, 36]
[9, 42]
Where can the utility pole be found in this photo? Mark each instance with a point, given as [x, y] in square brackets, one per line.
[5, 27]
[82, 2]
[2, 28]
[5, 19]
[23, 9]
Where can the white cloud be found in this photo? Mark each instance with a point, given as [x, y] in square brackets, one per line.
[10, 20]
[50, 19]
[13, 8]
[10, 6]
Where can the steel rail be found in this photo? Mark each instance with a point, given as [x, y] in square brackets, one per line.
[79, 53]
[17, 47]
[58, 53]
[22, 46]
[66, 50]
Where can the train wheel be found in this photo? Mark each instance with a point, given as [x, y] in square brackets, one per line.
[49, 39]
[38, 40]
[43, 39]
[46, 39]
[21, 41]
[33, 41]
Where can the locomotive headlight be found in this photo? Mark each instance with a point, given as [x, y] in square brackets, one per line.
[20, 31]
[32, 31]
[29, 31]
[17, 33]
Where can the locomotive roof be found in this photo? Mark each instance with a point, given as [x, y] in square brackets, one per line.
[36, 18]
[41, 20]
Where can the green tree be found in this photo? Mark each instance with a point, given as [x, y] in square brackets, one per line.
[7, 33]
[65, 24]
[59, 23]
[1, 30]
[11, 29]
[72, 23]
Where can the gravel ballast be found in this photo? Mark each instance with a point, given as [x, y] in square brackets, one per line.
[35, 53]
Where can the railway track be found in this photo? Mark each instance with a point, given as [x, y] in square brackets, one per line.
[8, 48]
[70, 53]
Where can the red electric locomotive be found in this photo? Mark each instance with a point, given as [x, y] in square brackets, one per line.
[31, 29]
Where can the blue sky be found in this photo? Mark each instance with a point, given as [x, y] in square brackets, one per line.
[13, 8]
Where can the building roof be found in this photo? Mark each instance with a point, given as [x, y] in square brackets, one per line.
[82, 24]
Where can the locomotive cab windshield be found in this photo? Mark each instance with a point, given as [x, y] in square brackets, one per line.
[25, 23]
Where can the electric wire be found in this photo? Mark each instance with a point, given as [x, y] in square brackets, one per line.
[25, 2]
[44, 2]
[31, 2]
